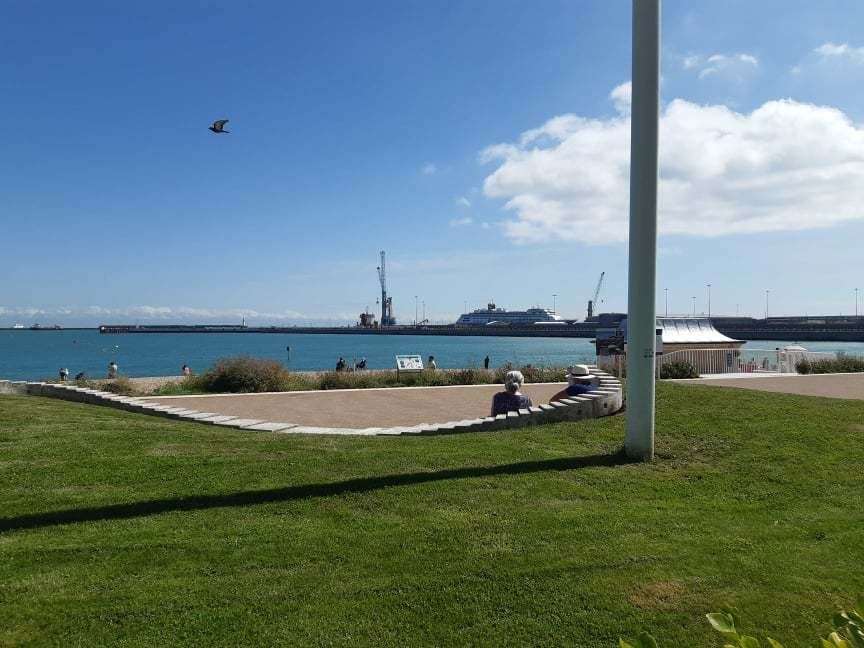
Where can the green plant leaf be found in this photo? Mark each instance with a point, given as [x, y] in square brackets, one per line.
[722, 623]
[624, 644]
[645, 640]
[837, 641]
[773, 643]
[746, 641]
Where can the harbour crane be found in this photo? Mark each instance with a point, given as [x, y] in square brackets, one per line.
[386, 302]
[593, 301]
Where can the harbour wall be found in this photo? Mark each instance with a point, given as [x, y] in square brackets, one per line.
[737, 328]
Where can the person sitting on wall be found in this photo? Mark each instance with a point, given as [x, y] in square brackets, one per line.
[341, 365]
[511, 399]
[579, 381]
[431, 364]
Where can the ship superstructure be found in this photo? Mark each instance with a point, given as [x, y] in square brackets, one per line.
[494, 316]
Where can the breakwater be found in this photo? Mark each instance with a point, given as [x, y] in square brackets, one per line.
[577, 330]
[789, 329]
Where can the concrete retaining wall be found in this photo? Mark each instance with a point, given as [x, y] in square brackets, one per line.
[607, 400]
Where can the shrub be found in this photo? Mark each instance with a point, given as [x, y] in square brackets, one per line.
[847, 632]
[841, 364]
[242, 374]
[679, 369]
[120, 385]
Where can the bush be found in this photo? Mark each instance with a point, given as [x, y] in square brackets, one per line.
[841, 364]
[120, 385]
[679, 369]
[847, 632]
[243, 374]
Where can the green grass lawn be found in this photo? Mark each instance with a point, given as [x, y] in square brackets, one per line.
[118, 528]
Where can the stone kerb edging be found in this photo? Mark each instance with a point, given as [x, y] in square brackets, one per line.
[606, 400]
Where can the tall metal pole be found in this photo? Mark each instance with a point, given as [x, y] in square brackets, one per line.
[554, 297]
[642, 283]
[766, 303]
[709, 300]
[856, 302]
[415, 310]
[694, 305]
[666, 291]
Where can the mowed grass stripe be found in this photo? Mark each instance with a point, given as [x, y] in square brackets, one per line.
[123, 528]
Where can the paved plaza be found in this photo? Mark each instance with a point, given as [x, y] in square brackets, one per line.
[360, 408]
[827, 385]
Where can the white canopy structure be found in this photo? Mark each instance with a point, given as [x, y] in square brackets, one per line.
[691, 330]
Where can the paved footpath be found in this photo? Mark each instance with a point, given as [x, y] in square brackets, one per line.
[360, 408]
[828, 385]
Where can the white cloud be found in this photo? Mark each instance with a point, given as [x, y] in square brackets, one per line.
[622, 97]
[784, 166]
[429, 169]
[841, 51]
[462, 201]
[461, 222]
[149, 313]
[735, 65]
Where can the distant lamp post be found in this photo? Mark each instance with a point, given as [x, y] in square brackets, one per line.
[767, 292]
[666, 291]
[554, 297]
[709, 300]
[856, 302]
[415, 310]
[424, 311]
[694, 305]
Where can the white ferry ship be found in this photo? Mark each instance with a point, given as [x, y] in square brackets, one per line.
[494, 316]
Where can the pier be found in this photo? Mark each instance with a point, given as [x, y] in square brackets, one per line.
[792, 329]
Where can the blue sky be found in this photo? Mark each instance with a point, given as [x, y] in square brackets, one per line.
[423, 129]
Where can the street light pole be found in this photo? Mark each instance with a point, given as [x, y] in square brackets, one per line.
[856, 302]
[642, 279]
[415, 310]
[766, 304]
[666, 291]
[694, 305]
[709, 300]
[424, 310]
[554, 297]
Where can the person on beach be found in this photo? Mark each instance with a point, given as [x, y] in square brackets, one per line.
[112, 369]
[64, 374]
[185, 370]
[362, 364]
[511, 399]
[486, 363]
[431, 364]
[579, 381]
[340, 364]
[81, 376]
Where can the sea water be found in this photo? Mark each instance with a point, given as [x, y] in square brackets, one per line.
[35, 355]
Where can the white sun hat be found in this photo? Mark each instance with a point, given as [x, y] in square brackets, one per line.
[579, 371]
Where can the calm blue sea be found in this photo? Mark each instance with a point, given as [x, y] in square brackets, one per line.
[34, 355]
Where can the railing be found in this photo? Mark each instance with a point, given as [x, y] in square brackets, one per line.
[723, 361]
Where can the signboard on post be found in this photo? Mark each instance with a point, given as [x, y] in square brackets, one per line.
[409, 364]
[658, 341]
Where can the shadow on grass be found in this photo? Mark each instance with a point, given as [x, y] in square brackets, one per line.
[289, 493]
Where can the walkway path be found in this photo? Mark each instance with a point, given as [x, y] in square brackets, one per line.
[828, 385]
[360, 408]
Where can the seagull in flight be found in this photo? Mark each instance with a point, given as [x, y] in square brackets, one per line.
[219, 126]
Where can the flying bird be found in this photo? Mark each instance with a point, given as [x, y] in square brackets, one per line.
[219, 126]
